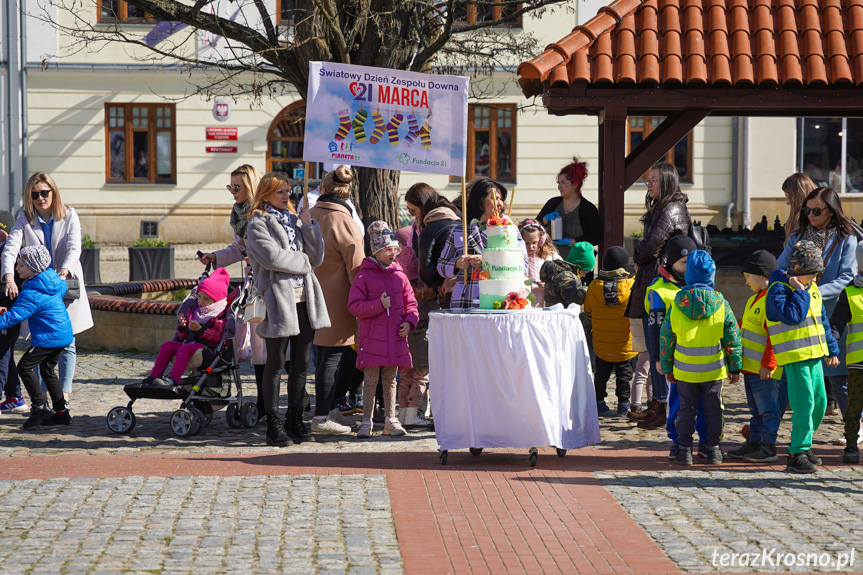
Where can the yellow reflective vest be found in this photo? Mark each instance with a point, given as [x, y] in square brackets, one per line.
[665, 290]
[854, 330]
[753, 335]
[698, 353]
[802, 341]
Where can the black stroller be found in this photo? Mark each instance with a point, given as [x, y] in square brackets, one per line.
[207, 388]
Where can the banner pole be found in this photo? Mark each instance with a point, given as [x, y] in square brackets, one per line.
[511, 200]
[464, 223]
[306, 165]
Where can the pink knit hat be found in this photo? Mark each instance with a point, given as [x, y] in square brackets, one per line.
[216, 286]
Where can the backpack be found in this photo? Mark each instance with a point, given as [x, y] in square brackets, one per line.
[699, 235]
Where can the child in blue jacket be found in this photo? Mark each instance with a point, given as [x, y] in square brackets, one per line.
[41, 303]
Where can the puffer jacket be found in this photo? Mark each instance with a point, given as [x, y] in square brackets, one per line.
[700, 301]
[674, 219]
[379, 342]
[41, 303]
[605, 303]
[432, 239]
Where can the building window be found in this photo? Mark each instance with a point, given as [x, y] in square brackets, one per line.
[120, 11]
[285, 12]
[141, 143]
[488, 11]
[285, 143]
[680, 155]
[820, 143]
[491, 142]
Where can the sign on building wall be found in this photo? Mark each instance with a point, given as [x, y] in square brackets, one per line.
[389, 119]
[219, 133]
[222, 109]
[221, 149]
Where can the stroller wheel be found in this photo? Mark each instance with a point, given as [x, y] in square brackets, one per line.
[206, 410]
[182, 422]
[197, 420]
[249, 415]
[232, 416]
[120, 420]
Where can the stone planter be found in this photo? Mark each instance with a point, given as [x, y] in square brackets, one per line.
[90, 264]
[151, 263]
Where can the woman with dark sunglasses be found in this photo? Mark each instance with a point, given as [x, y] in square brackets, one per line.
[823, 222]
[46, 221]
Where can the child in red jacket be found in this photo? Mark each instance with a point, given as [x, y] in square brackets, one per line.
[383, 301]
[199, 327]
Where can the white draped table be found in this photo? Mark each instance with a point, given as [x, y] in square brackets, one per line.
[511, 379]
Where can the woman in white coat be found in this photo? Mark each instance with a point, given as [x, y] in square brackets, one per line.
[46, 221]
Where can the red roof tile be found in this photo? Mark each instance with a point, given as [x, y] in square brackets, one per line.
[708, 42]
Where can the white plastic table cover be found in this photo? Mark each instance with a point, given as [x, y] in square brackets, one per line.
[516, 379]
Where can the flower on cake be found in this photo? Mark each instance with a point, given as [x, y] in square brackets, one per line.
[516, 300]
[500, 220]
[480, 275]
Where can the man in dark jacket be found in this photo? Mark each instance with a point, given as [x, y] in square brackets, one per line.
[9, 380]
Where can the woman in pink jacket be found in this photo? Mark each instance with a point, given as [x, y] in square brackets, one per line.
[383, 301]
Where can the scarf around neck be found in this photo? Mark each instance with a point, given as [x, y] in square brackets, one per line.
[288, 221]
[819, 237]
[240, 219]
[204, 314]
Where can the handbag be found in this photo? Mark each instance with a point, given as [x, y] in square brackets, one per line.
[73, 289]
[255, 310]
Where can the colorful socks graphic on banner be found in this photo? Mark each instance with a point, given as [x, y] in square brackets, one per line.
[359, 125]
[344, 124]
[379, 128]
[413, 129]
[393, 129]
[425, 133]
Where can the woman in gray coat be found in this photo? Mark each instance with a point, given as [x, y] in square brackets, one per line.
[283, 247]
[46, 221]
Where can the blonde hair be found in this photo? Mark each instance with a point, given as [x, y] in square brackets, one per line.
[269, 183]
[340, 189]
[251, 178]
[57, 208]
[797, 186]
[547, 248]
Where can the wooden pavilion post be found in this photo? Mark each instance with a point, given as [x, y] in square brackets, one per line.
[612, 175]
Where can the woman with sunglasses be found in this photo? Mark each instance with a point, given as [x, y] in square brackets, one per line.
[283, 249]
[46, 221]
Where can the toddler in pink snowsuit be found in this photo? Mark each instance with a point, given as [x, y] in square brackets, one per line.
[383, 301]
[199, 327]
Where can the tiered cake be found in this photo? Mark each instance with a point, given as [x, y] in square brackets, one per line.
[502, 280]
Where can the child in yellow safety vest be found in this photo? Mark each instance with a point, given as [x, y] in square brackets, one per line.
[760, 376]
[848, 316]
[699, 346]
[800, 333]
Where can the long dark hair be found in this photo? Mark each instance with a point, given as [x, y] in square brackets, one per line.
[419, 193]
[476, 193]
[669, 191]
[434, 202]
[832, 201]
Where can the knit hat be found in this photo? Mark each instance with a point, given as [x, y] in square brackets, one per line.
[216, 286]
[615, 258]
[700, 268]
[860, 256]
[382, 237]
[7, 220]
[805, 259]
[760, 263]
[36, 258]
[678, 247]
[581, 254]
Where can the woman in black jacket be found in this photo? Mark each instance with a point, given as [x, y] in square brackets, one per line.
[580, 217]
[439, 217]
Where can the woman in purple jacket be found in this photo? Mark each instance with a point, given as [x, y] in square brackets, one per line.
[383, 301]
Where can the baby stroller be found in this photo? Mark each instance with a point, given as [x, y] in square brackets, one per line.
[208, 388]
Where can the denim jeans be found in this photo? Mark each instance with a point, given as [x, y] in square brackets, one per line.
[762, 396]
[660, 386]
[674, 409]
[65, 367]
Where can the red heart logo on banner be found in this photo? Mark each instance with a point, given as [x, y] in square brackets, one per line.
[355, 88]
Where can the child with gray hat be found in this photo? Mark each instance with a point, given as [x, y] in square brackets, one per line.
[41, 303]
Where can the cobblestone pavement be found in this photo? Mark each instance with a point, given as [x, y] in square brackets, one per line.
[697, 517]
[203, 525]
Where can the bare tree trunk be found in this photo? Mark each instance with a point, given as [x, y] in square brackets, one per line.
[378, 195]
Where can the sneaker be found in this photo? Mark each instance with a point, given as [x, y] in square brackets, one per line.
[147, 381]
[358, 402]
[851, 455]
[365, 430]
[59, 418]
[14, 405]
[813, 459]
[38, 415]
[344, 407]
[623, 408]
[844, 441]
[603, 410]
[766, 453]
[714, 455]
[394, 427]
[799, 463]
[329, 426]
[832, 409]
[169, 381]
[684, 456]
[703, 450]
[672, 454]
[338, 417]
[741, 452]
[412, 418]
